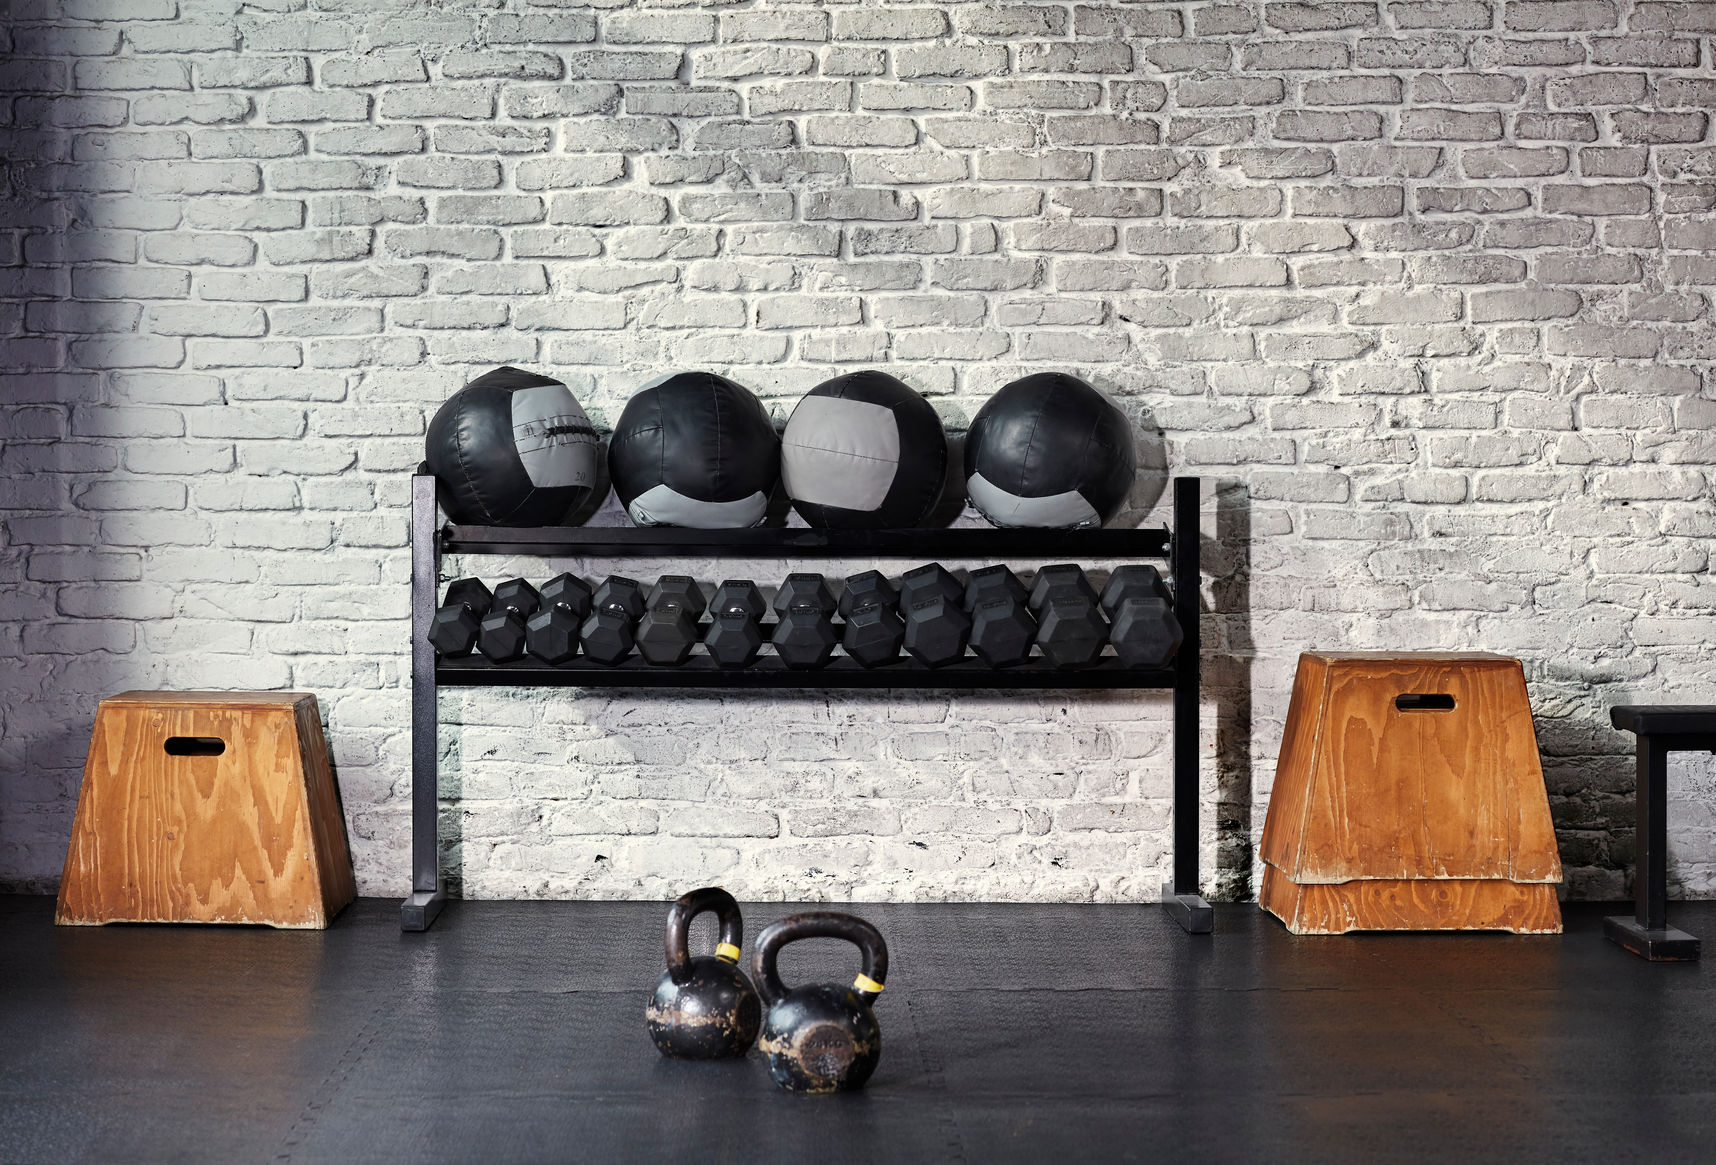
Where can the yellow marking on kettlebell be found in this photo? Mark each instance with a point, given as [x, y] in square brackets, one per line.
[864, 983]
[727, 951]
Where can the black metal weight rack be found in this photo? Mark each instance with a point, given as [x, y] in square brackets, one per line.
[428, 674]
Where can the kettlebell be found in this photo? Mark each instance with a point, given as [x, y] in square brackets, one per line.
[704, 1008]
[821, 1038]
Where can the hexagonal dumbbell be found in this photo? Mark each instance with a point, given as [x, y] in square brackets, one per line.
[607, 635]
[735, 637]
[1052, 578]
[870, 587]
[804, 635]
[453, 630]
[1143, 628]
[551, 634]
[1002, 629]
[500, 636]
[873, 631]
[668, 630]
[937, 626]
[1070, 628]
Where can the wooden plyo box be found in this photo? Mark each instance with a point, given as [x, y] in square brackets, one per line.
[207, 807]
[1410, 796]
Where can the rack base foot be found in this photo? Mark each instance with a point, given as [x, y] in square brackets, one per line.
[418, 911]
[1659, 946]
[1192, 911]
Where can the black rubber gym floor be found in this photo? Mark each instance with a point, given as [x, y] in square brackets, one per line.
[513, 1032]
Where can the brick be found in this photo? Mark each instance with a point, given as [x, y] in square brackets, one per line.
[1353, 90]
[1304, 125]
[915, 61]
[1513, 162]
[1471, 199]
[1559, 15]
[373, 69]
[1348, 201]
[1191, 92]
[1467, 14]
[1609, 198]
[1449, 125]
[607, 208]
[1530, 304]
[1658, 128]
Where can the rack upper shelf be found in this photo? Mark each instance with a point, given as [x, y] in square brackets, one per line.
[797, 542]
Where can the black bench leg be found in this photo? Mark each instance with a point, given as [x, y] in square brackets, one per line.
[1647, 933]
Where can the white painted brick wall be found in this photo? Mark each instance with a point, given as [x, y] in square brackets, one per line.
[1420, 287]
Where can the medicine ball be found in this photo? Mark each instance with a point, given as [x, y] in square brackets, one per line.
[694, 449]
[1049, 450]
[512, 448]
[863, 451]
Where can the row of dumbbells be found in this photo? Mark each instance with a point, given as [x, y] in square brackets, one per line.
[931, 616]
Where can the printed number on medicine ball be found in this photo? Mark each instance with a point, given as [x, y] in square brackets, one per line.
[1049, 450]
[511, 448]
[863, 451]
[694, 449]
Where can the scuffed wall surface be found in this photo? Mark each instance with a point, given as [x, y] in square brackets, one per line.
[1420, 288]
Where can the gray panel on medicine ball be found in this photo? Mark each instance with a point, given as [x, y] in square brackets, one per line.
[1044, 437]
[511, 448]
[863, 451]
[694, 449]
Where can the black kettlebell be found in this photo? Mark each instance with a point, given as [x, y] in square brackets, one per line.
[822, 1038]
[704, 1008]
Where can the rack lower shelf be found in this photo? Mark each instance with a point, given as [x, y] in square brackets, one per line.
[768, 672]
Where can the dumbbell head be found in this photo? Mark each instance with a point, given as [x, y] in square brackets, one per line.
[569, 591]
[468, 592]
[500, 636]
[1057, 578]
[620, 594]
[1145, 632]
[870, 587]
[551, 634]
[734, 638]
[1002, 629]
[668, 630]
[990, 582]
[738, 595]
[517, 596]
[680, 588]
[931, 579]
[873, 632]
[1070, 631]
[804, 634]
[1132, 582]
[453, 629]
[804, 590]
[937, 626]
[607, 634]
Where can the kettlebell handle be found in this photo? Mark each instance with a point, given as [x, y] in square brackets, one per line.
[679, 919]
[820, 924]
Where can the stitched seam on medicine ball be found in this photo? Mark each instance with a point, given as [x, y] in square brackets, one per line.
[1030, 443]
[459, 449]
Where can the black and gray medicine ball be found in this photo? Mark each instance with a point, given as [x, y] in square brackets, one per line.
[512, 448]
[694, 449]
[863, 451]
[1049, 450]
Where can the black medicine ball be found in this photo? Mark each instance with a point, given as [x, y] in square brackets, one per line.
[863, 451]
[511, 448]
[1049, 450]
[694, 449]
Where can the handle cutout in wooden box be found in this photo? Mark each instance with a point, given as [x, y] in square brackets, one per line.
[1424, 702]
